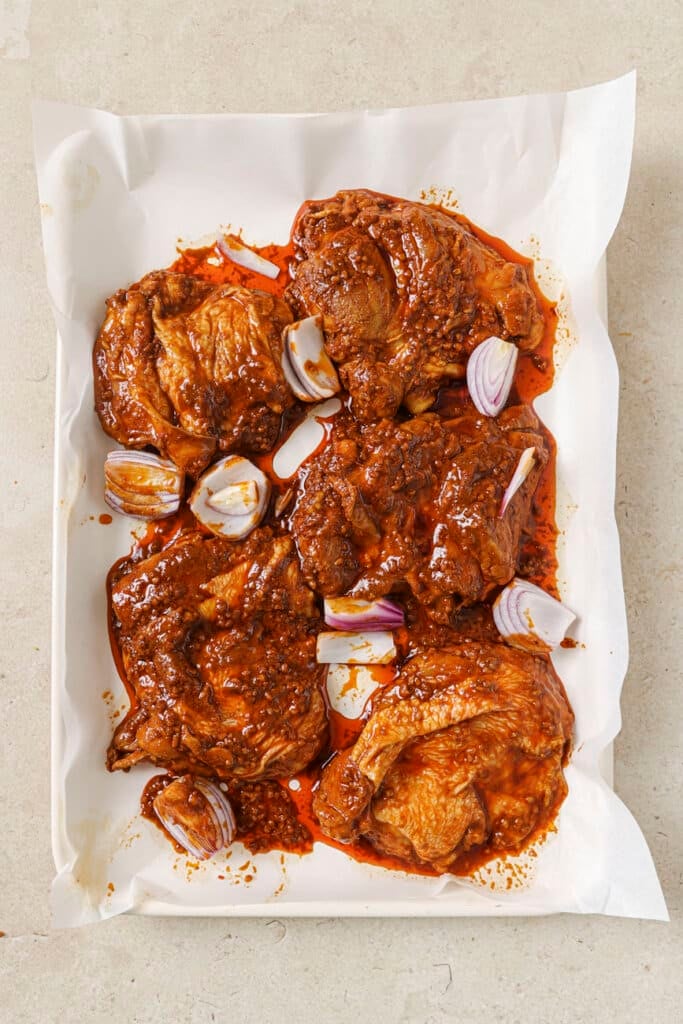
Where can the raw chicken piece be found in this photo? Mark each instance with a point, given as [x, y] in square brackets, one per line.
[417, 503]
[218, 643]
[406, 292]
[191, 368]
[467, 748]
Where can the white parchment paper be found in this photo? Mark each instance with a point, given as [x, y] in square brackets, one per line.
[546, 173]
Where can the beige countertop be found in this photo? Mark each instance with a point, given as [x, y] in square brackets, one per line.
[170, 56]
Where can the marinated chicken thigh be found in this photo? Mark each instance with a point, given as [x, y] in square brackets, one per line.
[406, 292]
[191, 369]
[466, 748]
[218, 643]
[417, 503]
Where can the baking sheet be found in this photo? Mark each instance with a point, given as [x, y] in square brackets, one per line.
[546, 173]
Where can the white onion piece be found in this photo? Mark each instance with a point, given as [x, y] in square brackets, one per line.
[367, 648]
[142, 484]
[222, 497]
[234, 249]
[353, 613]
[238, 499]
[524, 467]
[326, 410]
[306, 365]
[304, 440]
[349, 687]
[490, 372]
[530, 618]
[199, 843]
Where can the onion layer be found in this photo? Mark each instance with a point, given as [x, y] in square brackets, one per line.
[236, 499]
[221, 807]
[235, 249]
[308, 369]
[349, 687]
[367, 648]
[203, 827]
[231, 498]
[142, 484]
[305, 439]
[524, 467]
[490, 372]
[530, 618]
[352, 613]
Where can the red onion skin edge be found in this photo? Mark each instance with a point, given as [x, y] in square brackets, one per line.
[178, 833]
[489, 406]
[501, 614]
[382, 614]
[304, 385]
[125, 453]
[214, 795]
[511, 623]
[506, 383]
[507, 497]
[374, 625]
[316, 395]
[482, 403]
[116, 505]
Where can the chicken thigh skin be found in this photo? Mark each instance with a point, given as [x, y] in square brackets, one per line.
[406, 292]
[218, 644]
[466, 749]
[191, 369]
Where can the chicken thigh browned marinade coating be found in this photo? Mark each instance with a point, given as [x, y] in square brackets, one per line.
[467, 748]
[406, 292]
[191, 368]
[218, 643]
[417, 503]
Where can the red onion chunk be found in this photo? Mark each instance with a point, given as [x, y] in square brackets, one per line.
[197, 814]
[303, 442]
[349, 613]
[490, 373]
[305, 439]
[221, 808]
[297, 385]
[367, 648]
[234, 249]
[142, 484]
[529, 618]
[231, 497]
[306, 365]
[132, 505]
[524, 467]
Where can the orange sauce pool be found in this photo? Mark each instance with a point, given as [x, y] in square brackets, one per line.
[534, 376]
